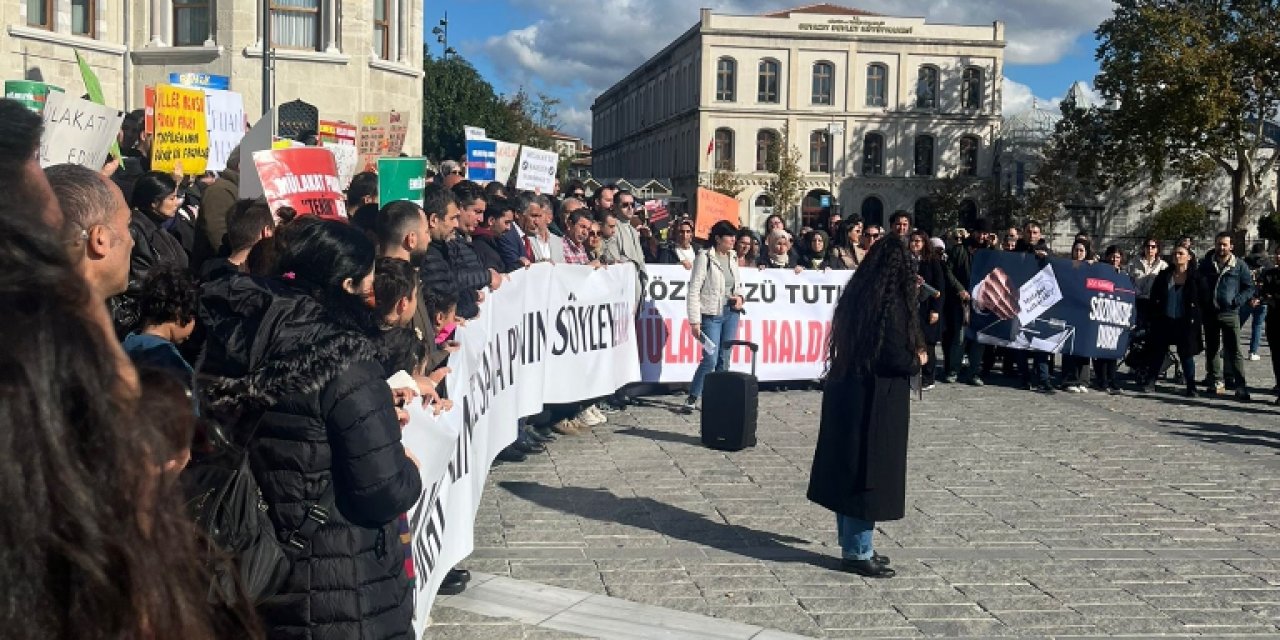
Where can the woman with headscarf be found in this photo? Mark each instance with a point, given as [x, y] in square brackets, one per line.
[875, 348]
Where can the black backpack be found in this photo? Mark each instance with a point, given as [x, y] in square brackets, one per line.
[246, 554]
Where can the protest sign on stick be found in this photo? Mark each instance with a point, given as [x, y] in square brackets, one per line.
[537, 170]
[182, 135]
[305, 178]
[77, 131]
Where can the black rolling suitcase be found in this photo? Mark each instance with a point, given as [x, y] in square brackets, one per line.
[729, 403]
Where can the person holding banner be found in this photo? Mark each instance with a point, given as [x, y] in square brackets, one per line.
[874, 349]
[714, 304]
[1075, 369]
[1175, 305]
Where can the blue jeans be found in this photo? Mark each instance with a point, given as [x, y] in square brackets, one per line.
[855, 537]
[718, 329]
[1259, 315]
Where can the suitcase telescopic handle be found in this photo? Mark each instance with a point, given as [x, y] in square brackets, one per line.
[748, 344]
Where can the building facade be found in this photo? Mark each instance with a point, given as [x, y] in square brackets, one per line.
[879, 108]
[343, 57]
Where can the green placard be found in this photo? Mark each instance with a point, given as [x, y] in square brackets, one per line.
[29, 92]
[94, 88]
[401, 179]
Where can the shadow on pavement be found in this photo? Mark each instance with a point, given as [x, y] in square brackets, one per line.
[662, 436]
[671, 521]
[1213, 432]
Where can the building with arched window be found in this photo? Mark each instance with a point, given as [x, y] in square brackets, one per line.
[371, 49]
[875, 107]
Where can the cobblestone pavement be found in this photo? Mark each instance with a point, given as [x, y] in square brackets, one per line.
[1028, 515]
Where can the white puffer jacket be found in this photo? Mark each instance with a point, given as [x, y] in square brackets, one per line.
[707, 285]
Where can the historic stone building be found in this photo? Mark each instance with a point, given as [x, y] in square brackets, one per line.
[342, 57]
[879, 108]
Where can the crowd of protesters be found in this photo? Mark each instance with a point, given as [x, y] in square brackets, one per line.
[153, 319]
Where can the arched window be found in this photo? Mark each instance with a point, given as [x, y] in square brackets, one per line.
[969, 156]
[724, 149]
[767, 91]
[873, 211]
[766, 150]
[924, 155]
[924, 214]
[971, 89]
[877, 85]
[873, 155]
[824, 80]
[819, 152]
[927, 88]
[726, 79]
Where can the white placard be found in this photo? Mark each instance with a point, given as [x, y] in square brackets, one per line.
[506, 160]
[474, 133]
[537, 170]
[346, 156]
[77, 131]
[224, 115]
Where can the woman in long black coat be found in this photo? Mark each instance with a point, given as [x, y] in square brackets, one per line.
[297, 351]
[860, 466]
[930, 270]
[1176, 316]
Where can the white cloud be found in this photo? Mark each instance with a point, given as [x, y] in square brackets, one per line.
[582, 47]
[1018, 97]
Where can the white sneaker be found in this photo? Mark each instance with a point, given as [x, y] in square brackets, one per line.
[1075, 388]
[586, 418]
[1083, 388]
[598, 415]
[1255, 357]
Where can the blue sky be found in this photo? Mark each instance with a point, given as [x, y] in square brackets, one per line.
[573, 49]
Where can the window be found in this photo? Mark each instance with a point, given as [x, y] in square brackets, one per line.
[768, 90]
[190, 22]
[971, 89]
[82, 18]
[382, 10]
[40, 13]
[969, 156]
[924, 155]
[873, 155]
[927, 88]
[726, 79]
[872, 211]
[924, 214]
[823, 82]
[819, 152]
[877, 85]
[766, 153]
[724, 149]
[295, 24]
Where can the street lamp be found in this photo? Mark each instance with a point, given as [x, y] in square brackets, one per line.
[441, 32]
[833, 129]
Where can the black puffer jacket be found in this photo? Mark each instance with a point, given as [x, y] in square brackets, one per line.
[328, 424]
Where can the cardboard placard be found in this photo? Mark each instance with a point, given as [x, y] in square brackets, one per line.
[401, 179]
[537, 170]
[304, 178]
[380, 135]
[182, 134]
[712, 208]
[77, 131]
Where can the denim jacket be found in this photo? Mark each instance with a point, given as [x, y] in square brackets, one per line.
[1232, 282]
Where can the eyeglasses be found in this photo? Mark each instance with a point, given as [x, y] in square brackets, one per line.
[626, 205]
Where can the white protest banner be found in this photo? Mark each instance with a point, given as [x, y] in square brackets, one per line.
[77, 131]
[224, 117]
[552, 334]
[474, 133]
[345, 156]
[506, 159]
[537, 170]
[787, 314]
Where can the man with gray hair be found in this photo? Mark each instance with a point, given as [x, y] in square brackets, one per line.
[95, 226]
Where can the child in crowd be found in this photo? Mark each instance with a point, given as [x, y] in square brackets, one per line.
[167, 311]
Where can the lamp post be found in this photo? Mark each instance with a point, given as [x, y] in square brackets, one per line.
[833, 129]
[441, 32]
[268, 53]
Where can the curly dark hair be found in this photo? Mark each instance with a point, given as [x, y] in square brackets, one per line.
[881, 292]
[168, 294]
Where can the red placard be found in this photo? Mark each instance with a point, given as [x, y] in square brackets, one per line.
[305, 178]
[712, 208]
[149, 110]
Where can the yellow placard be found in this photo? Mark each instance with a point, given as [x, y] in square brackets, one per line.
[181, 137]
